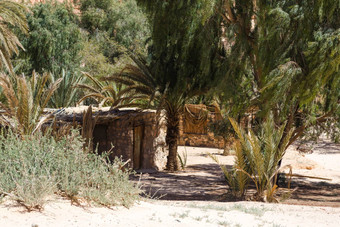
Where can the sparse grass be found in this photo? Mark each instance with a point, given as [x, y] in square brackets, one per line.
[277, 225]
[149, 193]
[198, 218]
[183, 158]
[34, 168]
[257, 211]
[185, 214]
[223, 223]
[153, 216]
[209, 207]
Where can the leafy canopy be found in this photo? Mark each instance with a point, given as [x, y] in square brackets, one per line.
[282, 56]
[54, 40]
[121, 20]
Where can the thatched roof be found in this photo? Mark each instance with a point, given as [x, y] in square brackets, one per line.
[104, 114]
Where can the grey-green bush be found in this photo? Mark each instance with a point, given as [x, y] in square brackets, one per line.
[34, 168]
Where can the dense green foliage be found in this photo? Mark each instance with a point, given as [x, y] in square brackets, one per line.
[120, 20]
[185, 45]
[113, 27]
[283, 57]
[33, 169]
[95, 62]
[54, 40]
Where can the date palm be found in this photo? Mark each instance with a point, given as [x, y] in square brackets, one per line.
[141, 80]
[26, 99]
[12, 14]
[107, 92]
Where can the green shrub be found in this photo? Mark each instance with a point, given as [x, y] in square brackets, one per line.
[34, 168]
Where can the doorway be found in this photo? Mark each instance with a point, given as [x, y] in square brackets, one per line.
[138, 136]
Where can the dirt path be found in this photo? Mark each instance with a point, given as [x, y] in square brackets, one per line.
[202, 179]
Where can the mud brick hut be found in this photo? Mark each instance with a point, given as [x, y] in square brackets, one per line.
[132, 134]
[194, 126]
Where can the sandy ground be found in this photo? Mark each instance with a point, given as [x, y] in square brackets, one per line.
[159, 213]
[187, 206]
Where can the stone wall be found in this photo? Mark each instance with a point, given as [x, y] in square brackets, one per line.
[120, 134]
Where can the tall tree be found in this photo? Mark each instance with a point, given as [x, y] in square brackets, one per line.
[12, 14]
[54, 40]
[184, 55]
[115, 25]
[283, 57]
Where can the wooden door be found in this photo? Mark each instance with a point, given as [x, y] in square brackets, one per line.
[138, 132]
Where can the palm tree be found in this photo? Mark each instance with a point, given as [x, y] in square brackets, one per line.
[107, 92]
[140, 80]
[67, 93]
[11, 14]
[25, 101]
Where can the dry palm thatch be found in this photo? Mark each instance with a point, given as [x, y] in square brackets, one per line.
[11, 14]
[25, 101]
[195, 119]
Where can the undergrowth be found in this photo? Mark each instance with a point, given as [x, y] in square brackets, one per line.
[34, 168]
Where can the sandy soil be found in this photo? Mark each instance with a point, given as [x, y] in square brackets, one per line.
[198, 197]
[160, 213]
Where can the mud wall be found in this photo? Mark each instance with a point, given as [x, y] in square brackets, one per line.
[120, 136]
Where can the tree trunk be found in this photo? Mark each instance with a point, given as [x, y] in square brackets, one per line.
[172, 135]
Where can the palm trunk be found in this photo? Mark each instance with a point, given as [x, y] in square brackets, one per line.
[172, 135]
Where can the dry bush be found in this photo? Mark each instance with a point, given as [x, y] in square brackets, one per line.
[34, 168]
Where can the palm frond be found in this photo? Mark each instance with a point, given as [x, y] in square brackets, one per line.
[95, 81]
[87, 87]
[11, 14]
[25, 101]
[118, 78]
